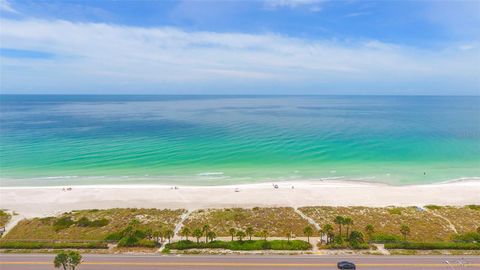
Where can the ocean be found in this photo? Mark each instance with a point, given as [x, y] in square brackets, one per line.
[50, 140]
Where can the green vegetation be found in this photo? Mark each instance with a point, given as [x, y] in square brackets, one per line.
[4, 218]
[395, 211]
[465, 219]
[277, 221]
[132, 236]
[87, 225]
[341, 228]
[424, 225]
[349, 240]
[475, 207]
[433, 245]
[243, 245]
[85, 222]
[370, 230]
[405, 231]
[51, 245]
[308, 231]
[66, 221]
[385, 238]
[470, 237]
[185, 232]
[62, 223]
[344, 245]
[197, 233]
[240, 235]
[67, 260]
[433, 207]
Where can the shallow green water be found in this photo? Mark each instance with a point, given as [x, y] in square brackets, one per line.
[51, 140]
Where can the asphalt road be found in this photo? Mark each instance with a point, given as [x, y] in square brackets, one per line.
[307, 262]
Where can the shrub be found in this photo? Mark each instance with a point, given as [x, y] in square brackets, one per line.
[243, 245]
[128, 241]
[345, 245]
[337, 239]
[395, 211]
[62, 223]
[51, 245]
[474, 207]
[67, 260]
[146, 243]
[131, 237]
[385, 238]
[433, 207]
[116, 236]
[85, 222]
[467, 237]
[433, 245]
[356, 238]
[100, 222]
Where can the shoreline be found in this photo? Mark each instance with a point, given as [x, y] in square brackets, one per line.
[43, 201]
[311, 182]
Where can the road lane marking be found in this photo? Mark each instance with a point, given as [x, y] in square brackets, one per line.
[248, 264]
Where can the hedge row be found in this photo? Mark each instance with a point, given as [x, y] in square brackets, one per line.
[433, 245]
[243, 245]
[51, 245]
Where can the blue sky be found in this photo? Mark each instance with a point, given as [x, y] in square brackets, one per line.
[240, 47]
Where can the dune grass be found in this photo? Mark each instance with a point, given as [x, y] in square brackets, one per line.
[424, 225]
[69, 226]
[465, 219]
[277, 221]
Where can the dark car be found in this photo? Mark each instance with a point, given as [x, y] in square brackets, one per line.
[346, 265]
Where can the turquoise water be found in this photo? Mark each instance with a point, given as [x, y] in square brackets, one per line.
[211, 140]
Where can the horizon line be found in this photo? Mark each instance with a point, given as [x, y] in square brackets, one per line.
[259, 95]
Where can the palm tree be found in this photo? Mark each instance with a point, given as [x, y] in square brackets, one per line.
[149, 233]
[249, 232]
[197, 233]
[232, 232]
[185, 232]
[156, 235]
[370, 230]
[161, 234]
[288, 235]
[206, 229]
[240, 235]
[308, 231]
[339, 220]
[330, 236]
[211, 236]
[169, 234]
[328, 230]
[321, 233]
[348, 221]
[264, 234]
[405, 230]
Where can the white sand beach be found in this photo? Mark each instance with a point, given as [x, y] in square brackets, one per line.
[42, 201]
